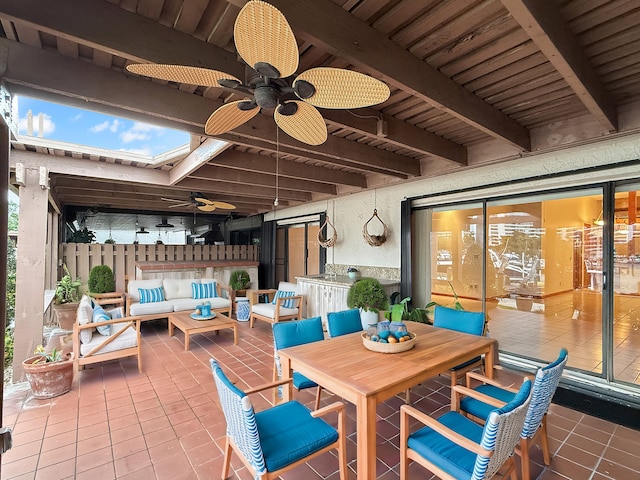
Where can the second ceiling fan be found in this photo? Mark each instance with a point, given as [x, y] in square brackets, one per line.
[201, 202]
[265, 41]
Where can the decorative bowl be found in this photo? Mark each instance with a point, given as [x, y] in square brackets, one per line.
[389, 347]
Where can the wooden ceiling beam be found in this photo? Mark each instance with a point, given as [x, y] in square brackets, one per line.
[287, 168]
[544, 24]
[347, 37]
[103, 26]
[222, 174]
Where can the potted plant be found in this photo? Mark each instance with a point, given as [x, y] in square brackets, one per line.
[84, 235]
[49, 374]
[369, 296]
[66, 299]
[239, 282]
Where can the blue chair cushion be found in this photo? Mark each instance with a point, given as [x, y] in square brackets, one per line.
[444, 453]
[344, 322]
[290, 334]
[289, 433]
[480, 409]
[459, 320]
[301, 382]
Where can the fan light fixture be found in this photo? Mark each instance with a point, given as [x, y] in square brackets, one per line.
[265, 41]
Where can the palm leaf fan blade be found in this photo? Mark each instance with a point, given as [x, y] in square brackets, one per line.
[228, 117]
[339, 88]
[223, 205]
[263, 35]
[305, 125]
[207, 207]
[181, 74]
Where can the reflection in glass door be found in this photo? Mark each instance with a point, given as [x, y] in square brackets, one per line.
[626, 285]
[544, 263]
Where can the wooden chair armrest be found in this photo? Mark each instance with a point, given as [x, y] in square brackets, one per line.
[488, 381]
[267, 386]
[300, 299]
[110, 322]
[253, 295]
[446, 432]
[334, 407]
[460, 391]
[224, 290]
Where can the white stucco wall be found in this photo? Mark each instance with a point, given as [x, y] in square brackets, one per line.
[349, 213]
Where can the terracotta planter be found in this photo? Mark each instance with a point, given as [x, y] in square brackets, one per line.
[50, 379]
[524, 303]
[66, 314]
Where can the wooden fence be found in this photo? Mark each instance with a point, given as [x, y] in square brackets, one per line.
[80, 258]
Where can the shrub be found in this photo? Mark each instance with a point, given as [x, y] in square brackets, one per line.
[239, 280]
[101, 279]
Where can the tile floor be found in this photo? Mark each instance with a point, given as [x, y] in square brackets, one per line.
[166, 424]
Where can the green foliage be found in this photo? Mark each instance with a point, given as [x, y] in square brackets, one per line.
[67, 289]
[101, 279]
[84, 235]
[54, 356]
[368, 294]
[110, 241]
[239, 280]
[13, 216]
[8, 347]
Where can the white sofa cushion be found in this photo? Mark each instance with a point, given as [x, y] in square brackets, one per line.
[128, 339]
[177, 287]
[151, 308]
[84, 315]
[134, 285]
[190, 303]
[269, 310]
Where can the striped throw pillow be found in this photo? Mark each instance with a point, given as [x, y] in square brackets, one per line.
[291, 303]
[203, 290]
[151, 295]
[99, 315]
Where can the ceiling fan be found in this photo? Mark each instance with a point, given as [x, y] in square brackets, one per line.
[199, 201]
[266, 43]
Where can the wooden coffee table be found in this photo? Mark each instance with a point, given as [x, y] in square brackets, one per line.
[184, 322]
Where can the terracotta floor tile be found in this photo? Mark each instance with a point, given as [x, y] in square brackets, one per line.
[167, 423]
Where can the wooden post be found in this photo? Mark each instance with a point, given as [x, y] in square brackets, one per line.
[30, 269]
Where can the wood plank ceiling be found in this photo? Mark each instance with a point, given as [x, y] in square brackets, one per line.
[472, 82]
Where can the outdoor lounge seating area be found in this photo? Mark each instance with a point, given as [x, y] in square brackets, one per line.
[167, 422]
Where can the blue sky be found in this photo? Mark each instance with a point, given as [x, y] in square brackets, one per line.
[84, 127]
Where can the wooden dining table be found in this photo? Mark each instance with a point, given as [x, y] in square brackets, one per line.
[365, 378]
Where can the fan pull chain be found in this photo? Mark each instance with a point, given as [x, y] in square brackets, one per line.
[276, 202]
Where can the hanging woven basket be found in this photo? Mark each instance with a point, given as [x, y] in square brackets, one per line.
[375, 240]
[330, 242]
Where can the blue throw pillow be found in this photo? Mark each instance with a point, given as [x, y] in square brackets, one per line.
[203, 290]
[99, 315]
[151, 295]
[291, 303]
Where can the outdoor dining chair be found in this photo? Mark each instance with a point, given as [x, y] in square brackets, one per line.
[544, 386]
[343, 322]
[465, 322]
[291, 334]
[456, 448]
[279, 438]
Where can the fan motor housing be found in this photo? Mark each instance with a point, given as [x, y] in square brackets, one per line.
[267, 96]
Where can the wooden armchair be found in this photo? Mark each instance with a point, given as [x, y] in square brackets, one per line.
[90, 346]
[284, 304]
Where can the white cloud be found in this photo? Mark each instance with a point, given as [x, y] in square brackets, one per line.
[113, 126]
[48, 126]
[131, 136]
[76, 117]
[141, 131]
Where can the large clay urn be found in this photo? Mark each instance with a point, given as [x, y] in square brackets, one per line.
[48, 379]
